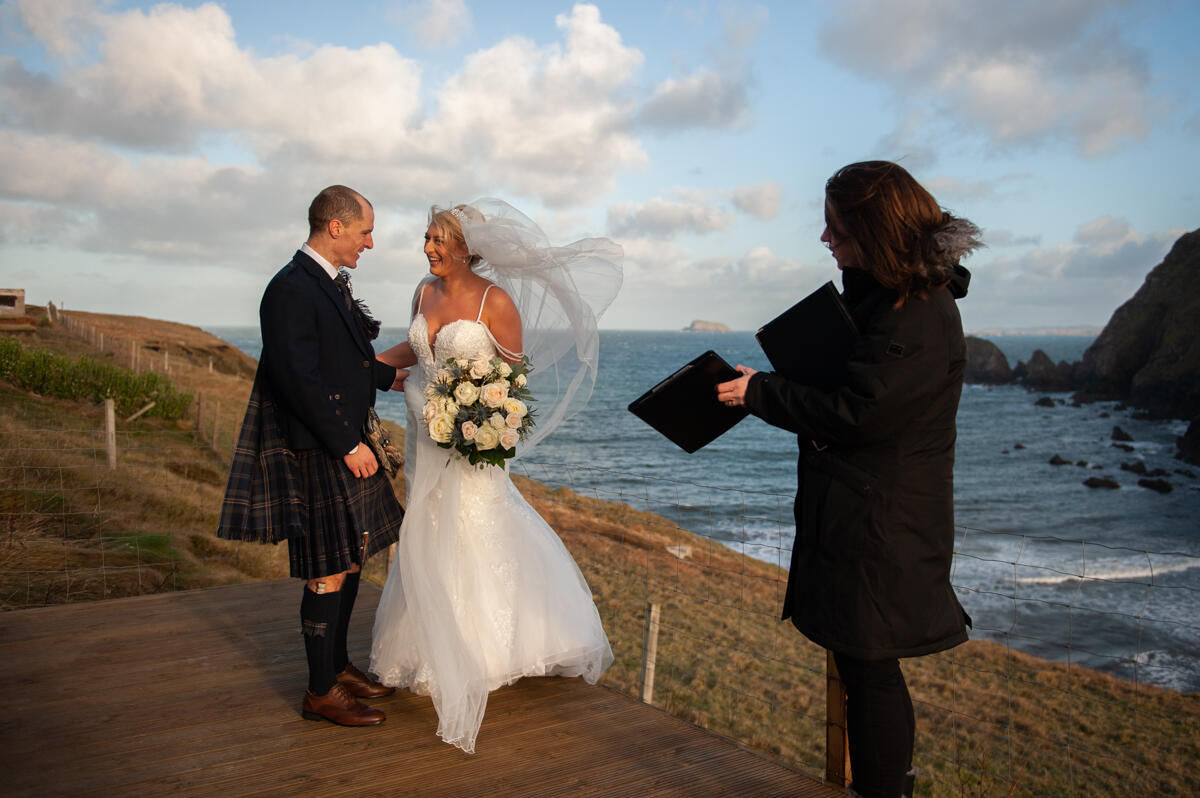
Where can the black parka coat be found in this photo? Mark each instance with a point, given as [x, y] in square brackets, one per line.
[870, 569]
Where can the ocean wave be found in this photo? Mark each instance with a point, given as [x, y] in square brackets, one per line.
[1141, 574]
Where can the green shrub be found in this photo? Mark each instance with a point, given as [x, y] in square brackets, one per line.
[43, 372]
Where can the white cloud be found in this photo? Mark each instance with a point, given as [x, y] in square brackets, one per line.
[761, 201]
[714, 96]
[702, 99]
[1000, 237]
[543, 121]
[661, 218]
[741, 291]
[1104, 249]
[434, 23]
[62, 26]
[1021, 73]
[115, 144]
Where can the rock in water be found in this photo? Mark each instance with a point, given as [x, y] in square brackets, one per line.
[1149, 352]
[1101, 482]
[699, 325]
[1189, 444]
[1044, 374]
[986, 364]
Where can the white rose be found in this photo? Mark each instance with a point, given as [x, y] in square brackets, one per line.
[505, 371]
[466, 393]
[480, 368]
[496, 420]
[442, 427]
[469, 428]
[493, 394]
[446, 405]
[461, 363]
[429, 411]
[512, 405]
[513, 420]
[509, 438]
[486, 438]
[520, 381]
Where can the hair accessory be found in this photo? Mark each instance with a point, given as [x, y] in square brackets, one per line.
[559, 291]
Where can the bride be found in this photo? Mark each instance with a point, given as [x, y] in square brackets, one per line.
[482, 592]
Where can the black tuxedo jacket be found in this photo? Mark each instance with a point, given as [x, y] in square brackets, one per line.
[320, 368]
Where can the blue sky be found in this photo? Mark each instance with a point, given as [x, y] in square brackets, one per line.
[157, 159]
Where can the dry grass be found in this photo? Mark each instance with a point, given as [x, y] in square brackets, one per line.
[991, 721]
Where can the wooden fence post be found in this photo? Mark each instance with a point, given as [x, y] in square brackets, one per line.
[216, 424]
[649, 652]
[200, 415]
[837, 743]
[110, 432]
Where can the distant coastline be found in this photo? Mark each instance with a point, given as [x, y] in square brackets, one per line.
[1081, 330]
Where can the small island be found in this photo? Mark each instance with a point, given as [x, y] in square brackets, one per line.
[699, 325]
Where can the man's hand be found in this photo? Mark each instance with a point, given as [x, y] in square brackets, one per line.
[401, 376]
[362, 463]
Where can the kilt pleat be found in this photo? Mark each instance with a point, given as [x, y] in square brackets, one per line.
[340, 509]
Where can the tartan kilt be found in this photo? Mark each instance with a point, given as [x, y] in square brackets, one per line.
[340, 508]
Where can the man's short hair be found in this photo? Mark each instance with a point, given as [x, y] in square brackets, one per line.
[335, 202]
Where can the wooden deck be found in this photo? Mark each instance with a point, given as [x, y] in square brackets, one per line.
[198, 693]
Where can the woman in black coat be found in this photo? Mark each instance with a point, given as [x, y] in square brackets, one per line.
[870, 571]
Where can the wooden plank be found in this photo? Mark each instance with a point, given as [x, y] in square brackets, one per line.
[198, 693]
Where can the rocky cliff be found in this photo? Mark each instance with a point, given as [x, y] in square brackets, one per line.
[1149, 352]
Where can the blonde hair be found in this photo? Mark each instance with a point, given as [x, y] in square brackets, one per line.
[449, 220]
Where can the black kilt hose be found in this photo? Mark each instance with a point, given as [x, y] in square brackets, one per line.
[349, 518]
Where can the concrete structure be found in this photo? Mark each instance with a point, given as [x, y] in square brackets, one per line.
[12, 303]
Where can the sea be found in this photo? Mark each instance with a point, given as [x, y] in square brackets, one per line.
[1105, 578]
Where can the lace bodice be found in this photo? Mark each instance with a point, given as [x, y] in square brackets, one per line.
[463, 338]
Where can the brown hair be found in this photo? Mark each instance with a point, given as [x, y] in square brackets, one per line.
[335, 202]
[894, 227]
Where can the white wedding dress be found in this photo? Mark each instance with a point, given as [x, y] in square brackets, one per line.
[481, 591]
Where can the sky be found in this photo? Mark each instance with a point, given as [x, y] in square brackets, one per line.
[158, 159]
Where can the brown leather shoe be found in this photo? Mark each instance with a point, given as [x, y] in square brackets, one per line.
[361, 685]
[339, 707]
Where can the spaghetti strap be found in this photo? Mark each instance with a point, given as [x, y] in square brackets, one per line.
[420, 296]
[479, 315]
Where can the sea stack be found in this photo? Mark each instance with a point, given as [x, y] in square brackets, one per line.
[699, 325]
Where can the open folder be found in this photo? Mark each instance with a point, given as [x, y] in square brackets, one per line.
[810, 342]
[684, 407]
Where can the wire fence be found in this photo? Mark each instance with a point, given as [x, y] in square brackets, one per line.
[1075, 682]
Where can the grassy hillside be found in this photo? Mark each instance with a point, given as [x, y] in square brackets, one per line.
[991, 721]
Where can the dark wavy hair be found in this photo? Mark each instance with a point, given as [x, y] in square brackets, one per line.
[895, 228]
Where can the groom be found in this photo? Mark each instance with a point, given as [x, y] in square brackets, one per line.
[301, 470]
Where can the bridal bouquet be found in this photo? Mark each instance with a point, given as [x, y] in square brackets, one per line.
[480, 408]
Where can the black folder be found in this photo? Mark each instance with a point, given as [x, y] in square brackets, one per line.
[810, 342]
[684, 407]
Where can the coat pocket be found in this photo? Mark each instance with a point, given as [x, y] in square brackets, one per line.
[848, 508]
